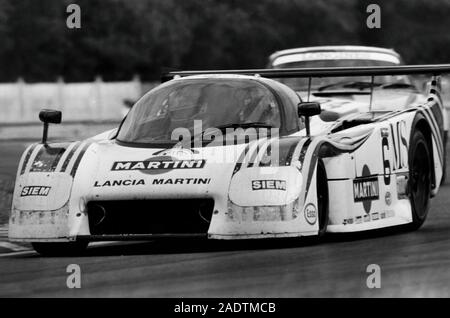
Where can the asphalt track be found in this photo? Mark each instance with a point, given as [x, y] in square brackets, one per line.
[413, 264]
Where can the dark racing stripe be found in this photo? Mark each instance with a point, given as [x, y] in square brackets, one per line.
[27, 158]
[289, 154]
[331, 149]
[427, 111]
[312, 168]
[69, 156]
[437, 113]
[254, 156]
[434, 129]
[80, 156]
[241, 159]
[303, 151]
[393, 141]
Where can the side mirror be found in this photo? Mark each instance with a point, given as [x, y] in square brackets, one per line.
[308, 109]
[49, 116]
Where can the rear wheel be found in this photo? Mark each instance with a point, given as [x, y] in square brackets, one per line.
[419, 185]
[322, 197]
[60, 249]
[444, 168]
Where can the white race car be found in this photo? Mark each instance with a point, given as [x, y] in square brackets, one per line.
[234, 155]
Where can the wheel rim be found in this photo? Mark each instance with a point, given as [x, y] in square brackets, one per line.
[420, 180]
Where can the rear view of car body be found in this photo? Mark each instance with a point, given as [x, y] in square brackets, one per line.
[334, 56]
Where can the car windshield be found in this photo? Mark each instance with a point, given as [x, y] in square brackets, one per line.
[333, 83]
[213, 102]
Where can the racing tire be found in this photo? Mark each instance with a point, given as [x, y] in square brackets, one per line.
[419, 183]
[322, 198]
[60, 249]
[444, 168]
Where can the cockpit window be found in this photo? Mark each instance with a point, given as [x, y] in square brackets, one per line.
[213, 101]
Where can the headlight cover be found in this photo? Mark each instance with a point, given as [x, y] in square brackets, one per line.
[288, 212]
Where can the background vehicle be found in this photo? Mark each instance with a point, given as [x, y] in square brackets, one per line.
[338, 56]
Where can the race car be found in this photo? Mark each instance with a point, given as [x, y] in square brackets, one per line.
[234, 155]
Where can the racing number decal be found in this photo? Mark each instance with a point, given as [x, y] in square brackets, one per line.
[400, 147]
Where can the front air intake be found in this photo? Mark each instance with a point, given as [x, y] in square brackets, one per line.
[187, 216]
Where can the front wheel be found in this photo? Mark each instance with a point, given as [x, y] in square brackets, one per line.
[419, 185]
[60, 249]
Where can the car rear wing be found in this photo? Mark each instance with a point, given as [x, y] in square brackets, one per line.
[432, 69]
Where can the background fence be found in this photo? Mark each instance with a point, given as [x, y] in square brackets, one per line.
[20, 102]
[97, 101]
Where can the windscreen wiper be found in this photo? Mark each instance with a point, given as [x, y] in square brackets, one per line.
[244, 125]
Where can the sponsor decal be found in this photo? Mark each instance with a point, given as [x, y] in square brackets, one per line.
[40, 191]
[366, 189]
[157, 165]
[47, 159]
[177, 152]
[400, 143]
[269, 185]
[311, 214]
[115, 183]
[182, 181]
[400, 149]
[385, 155]
[370, 217]
[388, 198]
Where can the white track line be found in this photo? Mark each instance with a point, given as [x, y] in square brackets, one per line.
[22, 253]
[13, 247]
[95, 244]
[21, 250]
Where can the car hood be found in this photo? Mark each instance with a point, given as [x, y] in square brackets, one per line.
[113, 171]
